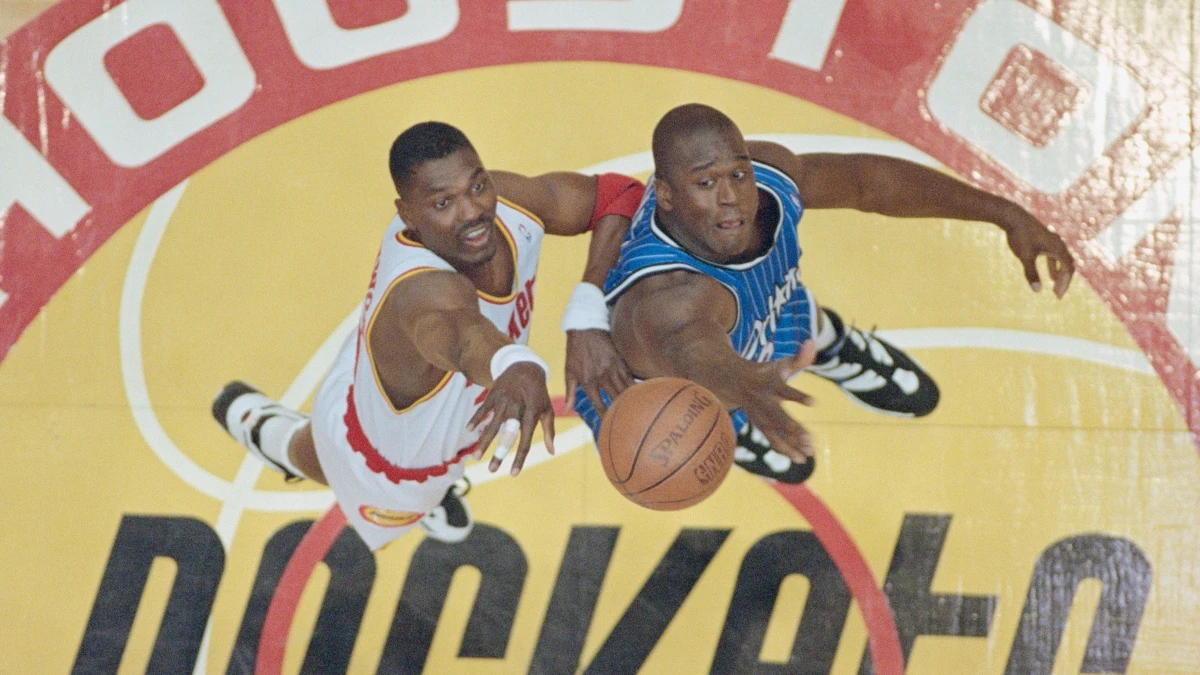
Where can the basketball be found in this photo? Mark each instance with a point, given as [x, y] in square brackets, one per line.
[666, 443]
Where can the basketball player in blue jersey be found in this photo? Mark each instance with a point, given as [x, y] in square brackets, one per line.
[438, 366]
[708, 287]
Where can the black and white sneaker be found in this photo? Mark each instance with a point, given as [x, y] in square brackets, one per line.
[875, 373]
[242, 410]
[450, 521]
[754, 454]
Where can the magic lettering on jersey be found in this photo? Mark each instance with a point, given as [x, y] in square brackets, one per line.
[761, 344]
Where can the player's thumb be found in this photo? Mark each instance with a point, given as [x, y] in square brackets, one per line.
[802, 360]
[806, 357]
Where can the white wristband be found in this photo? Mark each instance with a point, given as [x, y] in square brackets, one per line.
[508, 355]
[586, 310]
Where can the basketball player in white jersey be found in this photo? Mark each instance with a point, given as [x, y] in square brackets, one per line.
[708, 288]
[438, 366]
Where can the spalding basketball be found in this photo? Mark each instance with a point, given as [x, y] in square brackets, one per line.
[666, 443]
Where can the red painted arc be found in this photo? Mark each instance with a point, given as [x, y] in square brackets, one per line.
[278, 622]
[882, 635]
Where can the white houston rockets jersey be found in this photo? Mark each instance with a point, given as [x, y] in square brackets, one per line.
[425, 438]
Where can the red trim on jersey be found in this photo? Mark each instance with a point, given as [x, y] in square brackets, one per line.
[376, 462]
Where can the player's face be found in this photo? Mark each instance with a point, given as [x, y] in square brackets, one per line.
[710, 193]
[450, 205]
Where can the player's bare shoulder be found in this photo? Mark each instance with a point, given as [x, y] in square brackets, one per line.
[775, 155]
[528, 193]
[429, 291]
[515, 187]
[675, 297]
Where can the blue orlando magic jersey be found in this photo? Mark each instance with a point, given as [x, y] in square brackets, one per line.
[774, 311]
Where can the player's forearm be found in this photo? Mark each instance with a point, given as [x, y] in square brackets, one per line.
[461, 343]
[708, 360]
[604, 248]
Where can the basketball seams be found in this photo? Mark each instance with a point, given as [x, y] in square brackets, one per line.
[699, 447]
[649, 428]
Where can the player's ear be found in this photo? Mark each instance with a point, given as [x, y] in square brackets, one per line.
[662, 194]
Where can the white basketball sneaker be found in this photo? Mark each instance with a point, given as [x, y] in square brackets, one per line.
[451, 521]
[242, 410]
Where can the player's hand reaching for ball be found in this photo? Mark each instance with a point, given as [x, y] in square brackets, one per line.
[1029, 239]
[762, 397]
[519, 394]
[595, 366]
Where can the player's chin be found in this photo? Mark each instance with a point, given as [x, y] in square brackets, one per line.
[477, 254]
[732, 240]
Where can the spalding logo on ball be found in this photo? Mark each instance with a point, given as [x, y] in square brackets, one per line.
[666, 443]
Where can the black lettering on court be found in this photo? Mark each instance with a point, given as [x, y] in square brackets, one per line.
[643, 623]
[503, 567]
[916, 609]
[774, 558]
[200, 561]
[573, 602]
[351, 576]
[1125, 576]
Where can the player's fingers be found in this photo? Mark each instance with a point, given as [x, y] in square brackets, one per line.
[1062, 275]
[489, 434]
[569, 404]
[615, 385]
[624, 379]
[593, 394]
[504, 441]
[799, 441]
[789, 393]
[804, 444]
[548, 430]
[523, 447]
[789, 445]
[480, 415]
[1029, 262]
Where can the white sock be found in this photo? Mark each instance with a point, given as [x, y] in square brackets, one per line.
[275, 437]
[826, 335]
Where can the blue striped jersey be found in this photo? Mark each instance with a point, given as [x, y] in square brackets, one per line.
[774, 310]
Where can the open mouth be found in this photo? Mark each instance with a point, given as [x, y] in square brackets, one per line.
[730, 224]
[477, 234]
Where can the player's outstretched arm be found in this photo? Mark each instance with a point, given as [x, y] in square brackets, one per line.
[675, 324]
[439, 314]
[899, 188]
[571, 204]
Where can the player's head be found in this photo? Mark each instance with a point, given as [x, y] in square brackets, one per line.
[446, 197]
[707, 198]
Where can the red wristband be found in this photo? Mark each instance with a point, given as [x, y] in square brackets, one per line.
[616, 195]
